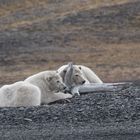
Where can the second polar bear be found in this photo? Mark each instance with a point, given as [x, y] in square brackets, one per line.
[51, 86]
[79, 73]
[19, 94]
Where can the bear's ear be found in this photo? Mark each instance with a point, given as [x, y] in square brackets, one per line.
[80, 68]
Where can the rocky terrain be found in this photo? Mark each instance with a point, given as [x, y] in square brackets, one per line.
[100, 116]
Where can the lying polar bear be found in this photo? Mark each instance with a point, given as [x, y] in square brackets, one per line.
[51, 86]
[78, 78]
[19, 94]
[74, 75]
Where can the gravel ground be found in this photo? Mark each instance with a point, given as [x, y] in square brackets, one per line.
[107, 115]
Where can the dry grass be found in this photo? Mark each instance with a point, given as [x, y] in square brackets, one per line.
[114, 62]
[59, 10]
[26, 4]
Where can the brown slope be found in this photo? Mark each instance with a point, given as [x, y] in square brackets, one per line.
[101, 38]
[15, 13]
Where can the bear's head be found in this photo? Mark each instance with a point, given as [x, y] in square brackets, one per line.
[55, 82]
[73, 76]
[77, 76]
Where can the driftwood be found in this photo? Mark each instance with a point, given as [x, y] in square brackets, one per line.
[90, 87]
[68, 75]
[96, 87]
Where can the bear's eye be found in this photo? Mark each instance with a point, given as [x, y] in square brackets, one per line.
[76, 75]
[80, 68]
[58, 81]
[64, 71]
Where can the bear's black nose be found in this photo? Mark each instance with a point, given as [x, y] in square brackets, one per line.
[64, 87]
[67, 90]
[83, 82]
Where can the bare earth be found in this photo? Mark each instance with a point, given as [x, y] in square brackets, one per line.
[37, 35]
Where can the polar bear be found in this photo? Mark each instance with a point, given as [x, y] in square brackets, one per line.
[79, 75]
[19, 94]
[71, 76]
[51, 86]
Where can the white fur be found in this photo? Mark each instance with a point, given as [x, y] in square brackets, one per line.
[19, 94]
[50, 84]
[90, 75]
[85, 73]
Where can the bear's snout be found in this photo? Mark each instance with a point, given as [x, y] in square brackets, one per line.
[83, 81]
[64, 88]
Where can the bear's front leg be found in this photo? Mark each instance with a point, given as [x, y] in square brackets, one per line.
[59, 96]
[75, 91]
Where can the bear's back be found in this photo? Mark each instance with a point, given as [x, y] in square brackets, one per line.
[19, 94]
